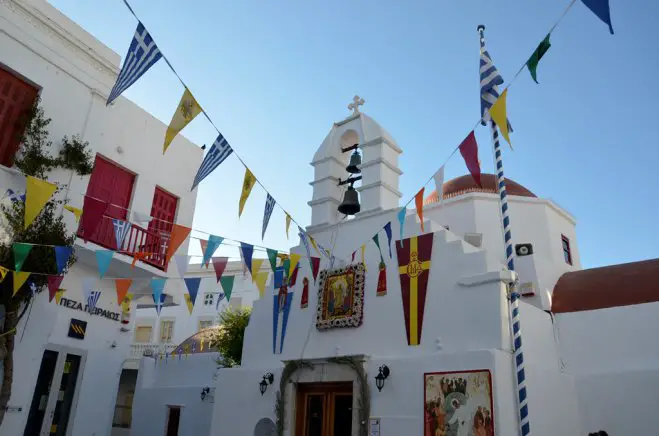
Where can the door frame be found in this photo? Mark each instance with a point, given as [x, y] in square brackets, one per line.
[168, 411]
[62, 351]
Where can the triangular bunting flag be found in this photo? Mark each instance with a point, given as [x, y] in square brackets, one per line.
[418, 200]
[499, 116]
[204, 245]
[269, 207]
[387, 230]
[247, 251]
[181, 264]
[248, 184]
[401, 219]
[376, 239]
[159, 305]
[193, 287]
[287, 266]
[140, 255]
[92, 213]
[158, 285]
[260, 279]
[121, 229]
[532, 63]
[219, 264]
[315, 267]
[256, 267]
[178, 235]
[19, 280]
[37, 194]
[272, 257]
[142, 55]
[75, 211]
[219, 151]
[288, 224]
[3, 273]
[601, 9]
[293, 278]
[122, 286]
[189, 303]
[295, 258]
[186, 111]
[62, 255]
[469, 151]
[54, 283]
[439, 184]
[103, 259]
[211, 247]
[58, 295]
[21, 251]
[227, 286]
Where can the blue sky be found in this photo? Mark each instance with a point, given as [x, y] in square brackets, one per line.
[275, 75]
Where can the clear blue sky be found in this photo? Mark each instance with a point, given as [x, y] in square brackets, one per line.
[275, 75]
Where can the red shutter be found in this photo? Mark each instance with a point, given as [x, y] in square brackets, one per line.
[16, 99]
[114, 185]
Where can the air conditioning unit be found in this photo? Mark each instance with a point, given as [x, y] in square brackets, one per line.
[475, 239]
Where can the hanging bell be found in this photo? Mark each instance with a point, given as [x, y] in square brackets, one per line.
[350, 204]
[355, 161]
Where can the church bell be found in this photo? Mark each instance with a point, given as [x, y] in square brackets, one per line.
[350, 204]
[355, 161]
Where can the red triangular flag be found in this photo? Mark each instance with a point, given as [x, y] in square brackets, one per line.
[469, 152]
[122, 286]
[315, 266]
[219, 264]
[418, 199]
[53, 285]
[92, 213]
[204, 244]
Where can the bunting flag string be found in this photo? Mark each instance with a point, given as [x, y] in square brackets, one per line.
[37, 194]
[248, 184]
[219, 151]
[186, 111]
[75, 211]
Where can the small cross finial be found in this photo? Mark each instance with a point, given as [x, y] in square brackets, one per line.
[356, 102]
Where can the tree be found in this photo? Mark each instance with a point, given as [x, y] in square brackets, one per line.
[229, 338]
[47, 230]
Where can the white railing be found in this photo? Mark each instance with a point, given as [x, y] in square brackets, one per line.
[137, 351]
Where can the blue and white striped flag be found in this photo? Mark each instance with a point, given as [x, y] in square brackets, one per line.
[269, 206]
[92, 300]
[121, 229]
[216, 155]
[142, 55]
[490, 79]
[14, 196]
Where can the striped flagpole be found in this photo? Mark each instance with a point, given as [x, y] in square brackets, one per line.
[525, 425]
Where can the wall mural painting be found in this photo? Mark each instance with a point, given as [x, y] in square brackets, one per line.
[458, 403]
[341, 297]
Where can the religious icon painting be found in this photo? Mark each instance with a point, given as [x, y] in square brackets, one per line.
[304, 301]
[458, 403]
[340, 297]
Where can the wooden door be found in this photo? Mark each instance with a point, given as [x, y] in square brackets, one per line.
[163, 211]
[324, 409]
[173, 420]
[17, 98]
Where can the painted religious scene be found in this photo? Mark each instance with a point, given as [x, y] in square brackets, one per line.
[458, 404]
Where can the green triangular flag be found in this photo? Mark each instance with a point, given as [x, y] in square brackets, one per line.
[272, 256]
[539, 52]
[227, 285]
[376, 239]
[20, 254]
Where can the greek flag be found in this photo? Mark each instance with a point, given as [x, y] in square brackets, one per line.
[217, 154]
[121, 229]
[142, 55]
[269, 206]
[490, 79]
[14, 196]
[92, 300]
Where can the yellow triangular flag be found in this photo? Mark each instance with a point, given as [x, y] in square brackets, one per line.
[37, 194]
[248, 184]
[256, 267]
[288, 224]
[363, 261]
[313, 242]
[75, 211]
[19, 279]
[58, 295]
[295, 258]
[186, 111]
[498, 114]
[3, 273]
[260, 280]
[188, 302]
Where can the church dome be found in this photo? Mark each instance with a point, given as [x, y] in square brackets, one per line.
[466, 184]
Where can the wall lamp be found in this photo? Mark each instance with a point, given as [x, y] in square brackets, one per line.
[383, 374]
[268, 378]
[204, 392]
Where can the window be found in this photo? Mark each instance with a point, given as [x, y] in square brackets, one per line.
[166, 331]
[17, 98]
[208, 299]
[205, 323]
[567, 253]
[143, 334]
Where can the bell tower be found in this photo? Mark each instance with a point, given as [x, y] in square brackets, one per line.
[379, 168]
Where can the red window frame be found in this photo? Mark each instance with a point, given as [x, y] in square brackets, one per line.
[17, 98]
[567, 251]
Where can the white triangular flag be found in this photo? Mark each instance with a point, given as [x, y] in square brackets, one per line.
[181, 264]
[439, 184]
[141, 218]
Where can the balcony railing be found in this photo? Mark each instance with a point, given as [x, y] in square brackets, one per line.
[138, 240]
[137, 351]
[123, 415]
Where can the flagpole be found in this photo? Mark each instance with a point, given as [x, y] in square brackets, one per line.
[525, 426]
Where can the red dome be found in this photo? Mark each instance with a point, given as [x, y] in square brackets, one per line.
[466, 184]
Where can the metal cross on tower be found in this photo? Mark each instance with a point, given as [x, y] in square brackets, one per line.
[356, 102]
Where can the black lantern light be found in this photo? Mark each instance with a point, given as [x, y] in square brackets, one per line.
[268, 378]
[383, 373]
[204, 392]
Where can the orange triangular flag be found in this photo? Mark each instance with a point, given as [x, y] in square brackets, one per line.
[138, 256]
[418, 199]
[179, 234]
[204, 245]
[122, 286]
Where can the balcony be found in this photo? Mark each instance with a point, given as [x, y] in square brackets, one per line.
[138, 240]
[137, 351]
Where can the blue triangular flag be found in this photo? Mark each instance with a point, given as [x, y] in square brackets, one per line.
[387, 230]
[401, 219]
[158, 285]
[121, 229]
[219, 151]
[211, 246]
[248, 252]
[269, 207]
[193, 287]
[601, 9]
[103, 258]
[62, 254]
[279, 277]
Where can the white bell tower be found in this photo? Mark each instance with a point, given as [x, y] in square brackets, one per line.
[380, 172]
